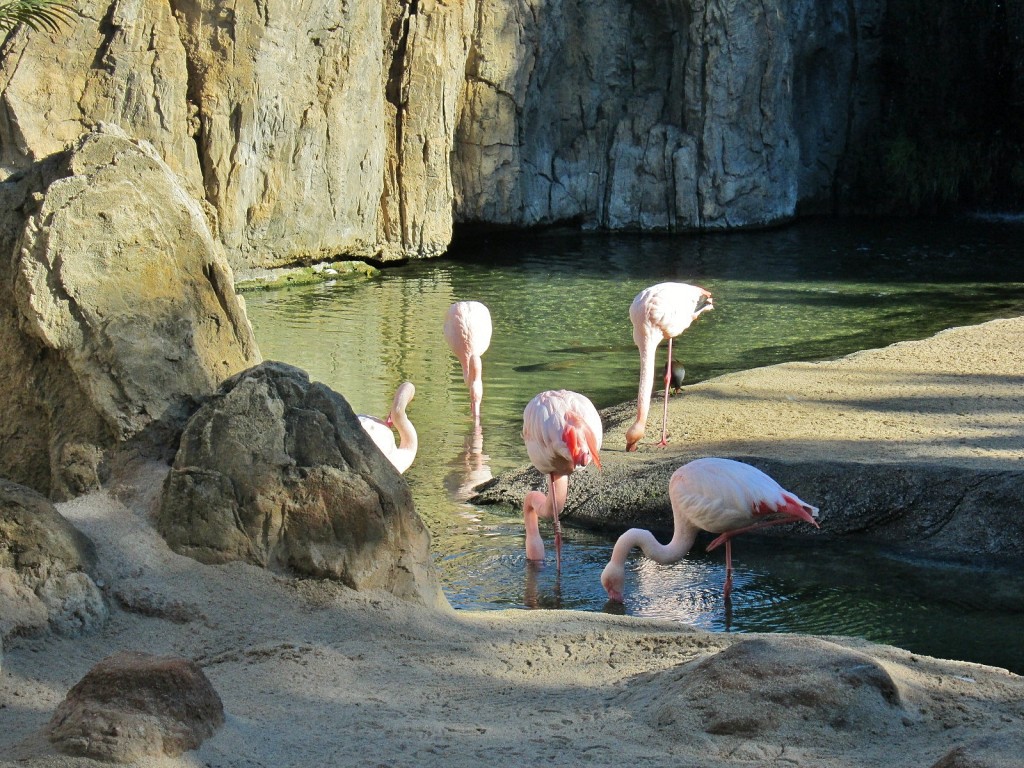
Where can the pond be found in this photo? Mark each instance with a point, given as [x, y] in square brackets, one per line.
[559, 302]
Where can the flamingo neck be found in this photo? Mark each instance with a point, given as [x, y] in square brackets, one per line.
[408, 440]
[534, 505]
[473, 375]
[681, 542]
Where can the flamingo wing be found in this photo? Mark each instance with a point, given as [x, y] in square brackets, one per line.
[562, 431]
[467, 328]
[380, 433]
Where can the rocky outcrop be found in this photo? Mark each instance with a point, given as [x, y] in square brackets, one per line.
[118, 310]
[45, 566]
[781, 680]
[943, 511]
[277, 471]
[134, 705]
[370, 129]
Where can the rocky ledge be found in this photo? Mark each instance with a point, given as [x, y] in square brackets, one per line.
[919, 444]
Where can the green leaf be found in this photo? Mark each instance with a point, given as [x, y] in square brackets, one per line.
[46, 15]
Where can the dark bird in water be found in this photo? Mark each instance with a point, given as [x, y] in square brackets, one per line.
[676, 378]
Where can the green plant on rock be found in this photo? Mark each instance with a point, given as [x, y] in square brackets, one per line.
[47, 15]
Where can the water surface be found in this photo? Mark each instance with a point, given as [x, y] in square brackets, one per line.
[559, 302]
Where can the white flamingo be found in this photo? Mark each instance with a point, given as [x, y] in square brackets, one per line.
[402, 454]
[662, 311]
[467, 329]
[717, 495]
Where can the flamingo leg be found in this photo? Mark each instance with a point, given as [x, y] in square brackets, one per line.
[725, 537]
[728, 570]
[556, 523]
[668, 380]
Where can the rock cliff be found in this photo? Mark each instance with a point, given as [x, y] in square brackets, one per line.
[371, 129]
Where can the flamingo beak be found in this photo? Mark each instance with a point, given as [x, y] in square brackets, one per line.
[389, 421]
[801, 513]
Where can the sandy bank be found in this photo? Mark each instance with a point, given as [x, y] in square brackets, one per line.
[313, 674]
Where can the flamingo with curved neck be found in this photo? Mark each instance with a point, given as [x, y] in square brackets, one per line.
[562, 431]
[401, 455]
[717, 495]
[662, 311]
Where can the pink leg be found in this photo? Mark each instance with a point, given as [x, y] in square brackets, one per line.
[668, 380]
[724, 538]
[728, 569]
[557, 524]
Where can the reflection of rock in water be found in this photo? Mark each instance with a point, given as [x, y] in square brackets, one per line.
[471, 468]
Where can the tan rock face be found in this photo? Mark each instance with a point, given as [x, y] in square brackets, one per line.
[120, 310]
[369, 128]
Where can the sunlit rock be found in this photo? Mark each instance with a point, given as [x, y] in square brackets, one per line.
[136, 705]
[277, 471]
[119, 310]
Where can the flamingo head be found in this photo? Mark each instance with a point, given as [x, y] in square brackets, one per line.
[613, 579]
[633, 436]
[792, 508]
[403, 396]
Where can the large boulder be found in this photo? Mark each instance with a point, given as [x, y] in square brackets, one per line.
[276, 471]
[118, 309]
[44, 568]
[135, 705]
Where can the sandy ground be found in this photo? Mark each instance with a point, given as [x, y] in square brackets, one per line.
[312, 674]
[956, 398]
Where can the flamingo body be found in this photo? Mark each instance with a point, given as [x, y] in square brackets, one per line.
[467, 329]
[716, 495]
[562, 431]
[400, 454]
[660, 312]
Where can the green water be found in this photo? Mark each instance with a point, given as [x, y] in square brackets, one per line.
[559, 303]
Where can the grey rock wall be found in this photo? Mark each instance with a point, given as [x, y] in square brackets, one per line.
[371, 129]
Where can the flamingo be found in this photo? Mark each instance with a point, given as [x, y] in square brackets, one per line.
[562, 431]
[379, 430]
[717, 495]
[467, 329]
[662, 311]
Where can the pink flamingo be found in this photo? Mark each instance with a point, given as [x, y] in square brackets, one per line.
[467, 329]
[717, 495]
[662, 311]
[401, 455]
[562, 431]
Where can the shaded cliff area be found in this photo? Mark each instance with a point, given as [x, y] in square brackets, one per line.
[316, 130]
